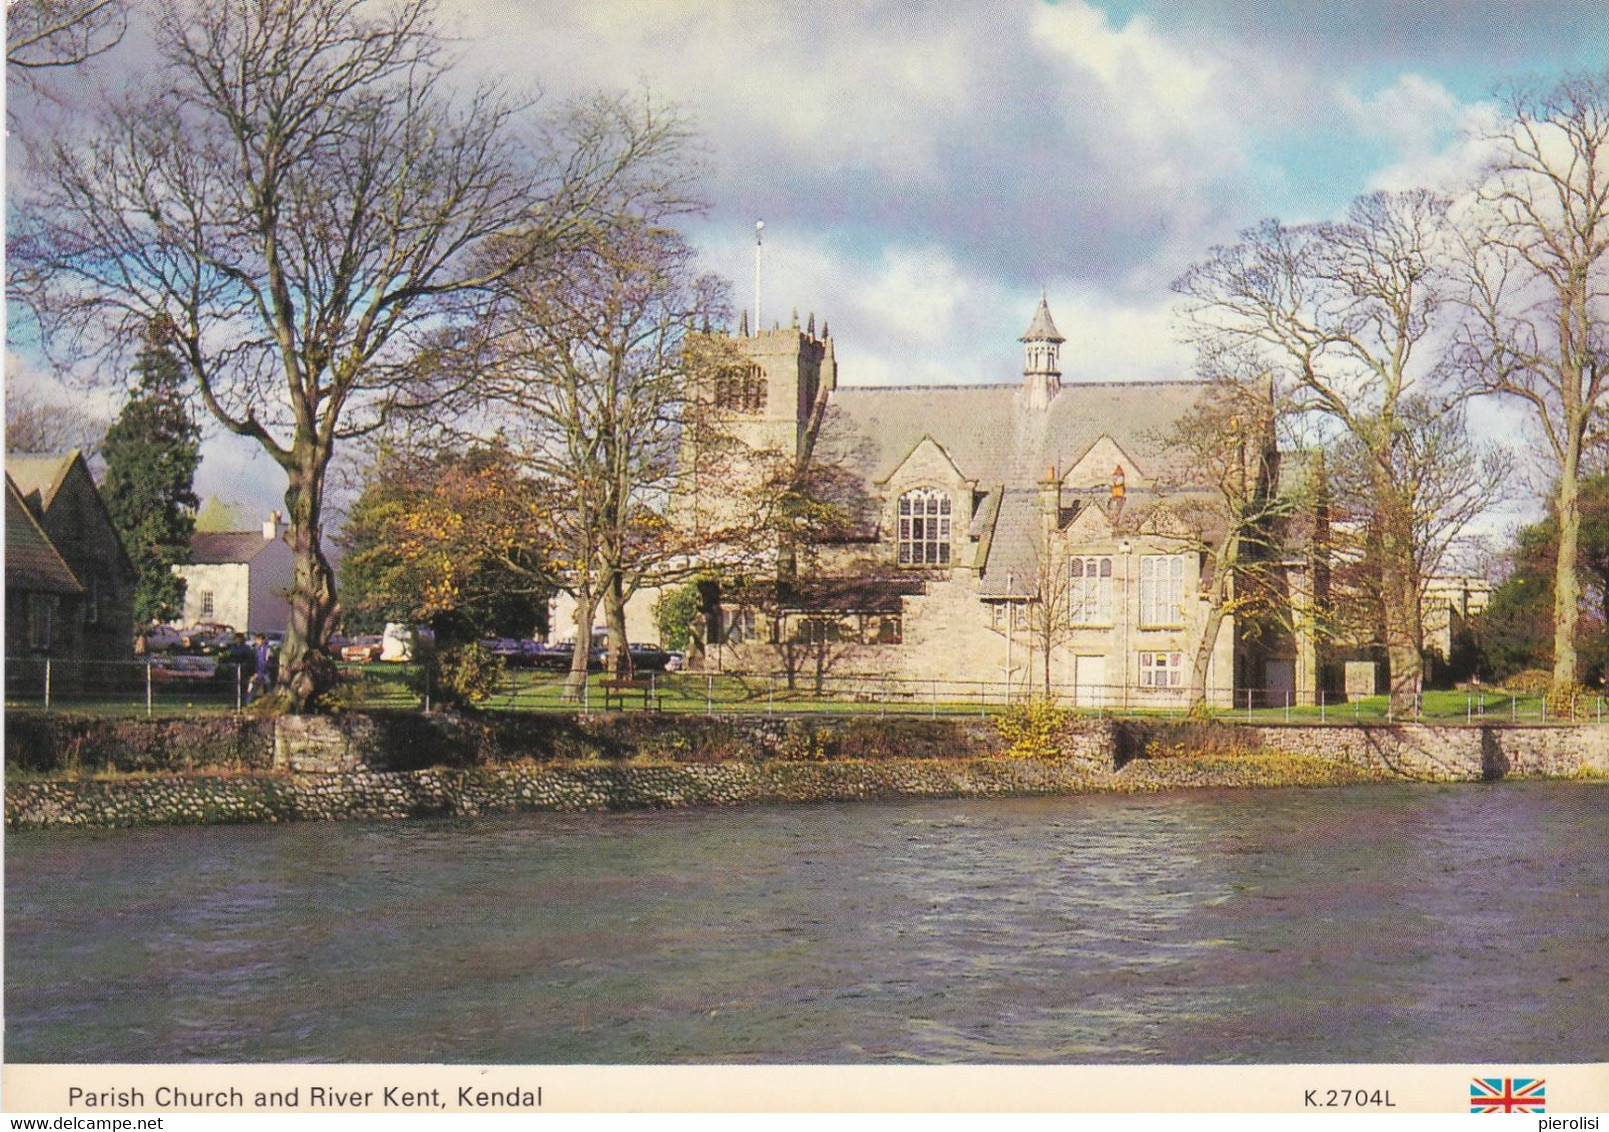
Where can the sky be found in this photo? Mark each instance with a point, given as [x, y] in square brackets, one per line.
[925, 170]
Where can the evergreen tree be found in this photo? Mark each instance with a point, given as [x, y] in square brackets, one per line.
[152, 451]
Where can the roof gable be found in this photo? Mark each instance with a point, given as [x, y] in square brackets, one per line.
[1096, 466]
[62, 494]
[40, 475]
[927, 459]
[32, 560]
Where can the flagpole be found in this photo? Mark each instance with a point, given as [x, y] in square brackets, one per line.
[759, 227]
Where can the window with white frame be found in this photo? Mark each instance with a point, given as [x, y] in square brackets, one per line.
[1090, 590]
[1161, 589]
[924, 528]
[1161, 669]
[206, 605]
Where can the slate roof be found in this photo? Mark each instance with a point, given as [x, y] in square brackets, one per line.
[215, 548]
[32, 563]
[1003, 445]
[992, 434]
[1043, 327]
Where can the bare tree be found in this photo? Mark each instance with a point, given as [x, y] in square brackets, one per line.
[1339, 312]
[303, 205]
[1048, 611]
[35, 423]
[61, 33]
[591, 387]
[1539, 273]
[1449, 479]
[1226, 503]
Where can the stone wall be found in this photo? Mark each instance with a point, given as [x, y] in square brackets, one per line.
[1450, 754]
[412, 765]
[375, 795]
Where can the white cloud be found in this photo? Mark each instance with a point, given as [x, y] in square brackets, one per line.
[915, 315]
[1158, 87]
[1439, 142]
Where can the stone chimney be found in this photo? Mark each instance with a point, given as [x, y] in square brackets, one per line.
[1050, 496]
[271, 526]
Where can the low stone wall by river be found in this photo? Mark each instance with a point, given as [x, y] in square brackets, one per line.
[195, 799]
[357, 767]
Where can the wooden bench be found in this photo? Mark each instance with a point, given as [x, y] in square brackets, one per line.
[616, 691]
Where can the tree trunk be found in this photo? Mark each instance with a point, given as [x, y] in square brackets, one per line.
[575, 683]
[1049, 642]
[305, 669]
[1566, 582]
[1204, 650]
[1223, 568]
[618, 661]
[1399, 594]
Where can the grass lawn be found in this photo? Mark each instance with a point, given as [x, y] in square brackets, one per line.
[399, 687]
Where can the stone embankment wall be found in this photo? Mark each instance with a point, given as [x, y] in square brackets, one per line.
[366, 767]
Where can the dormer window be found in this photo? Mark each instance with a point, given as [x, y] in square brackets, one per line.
[924, 528]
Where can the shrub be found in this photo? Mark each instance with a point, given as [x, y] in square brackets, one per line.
[349, 694]
[468, 676]
[1529, 682]
[1033, 730]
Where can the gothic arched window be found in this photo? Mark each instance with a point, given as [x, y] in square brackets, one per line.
[924, 527]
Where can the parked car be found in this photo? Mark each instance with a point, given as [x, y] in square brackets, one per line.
[558, 656]
[207, 637]
[162, 638]
[180, 669]
[516, 653]
[405, 644]
[361, 650]
[649, 658]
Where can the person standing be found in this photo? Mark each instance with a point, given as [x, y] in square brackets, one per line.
[262, 677]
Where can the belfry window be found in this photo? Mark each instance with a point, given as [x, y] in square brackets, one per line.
[741, 392]
[924, 528]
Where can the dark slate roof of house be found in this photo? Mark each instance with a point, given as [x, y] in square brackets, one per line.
[32, 563]
[216, 548]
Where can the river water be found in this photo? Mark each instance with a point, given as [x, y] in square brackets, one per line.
[1380, 923]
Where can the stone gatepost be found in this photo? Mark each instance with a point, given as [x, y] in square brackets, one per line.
[320, 744]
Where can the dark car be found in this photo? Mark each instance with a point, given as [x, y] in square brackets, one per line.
[558, 657]
[649, 658]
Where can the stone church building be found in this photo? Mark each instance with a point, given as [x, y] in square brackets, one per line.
[990, 534]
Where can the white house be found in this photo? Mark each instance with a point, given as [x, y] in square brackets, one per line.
[239, 578]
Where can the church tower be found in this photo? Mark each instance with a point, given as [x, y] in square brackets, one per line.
[787, 370]
[765, 390]
[1041, 360]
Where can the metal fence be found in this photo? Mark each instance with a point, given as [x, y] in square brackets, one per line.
[170, 685]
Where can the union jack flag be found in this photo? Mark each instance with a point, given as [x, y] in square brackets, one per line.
[1507, 1094]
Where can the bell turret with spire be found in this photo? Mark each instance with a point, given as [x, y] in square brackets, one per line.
[1041, 365]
